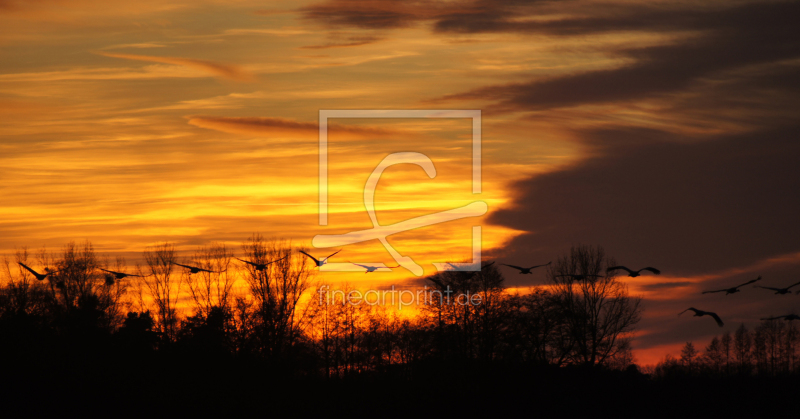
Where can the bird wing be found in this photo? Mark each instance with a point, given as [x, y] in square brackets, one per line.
[750, 282]
[185, 266]
[707, 292]
[329, 256]
[614, 268]
[793, 285]
[690, 308]
[651, 269]
[312, 257]
[111, 272]
[29, 269]
[276, 260]
[487, 265]
[246, 261]
[769, 288]
[515, 267]
[716, 318]
[772, 318]
[539, 266]
[363, 266]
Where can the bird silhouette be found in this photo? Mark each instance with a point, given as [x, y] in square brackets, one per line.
[260, 266]
[118, 275]
[373, 268]
[526, 270]
[698, 313]
[459, 268]
[578, 277]
[733, 290]
[786, 317]
[109, 279]
[38, 276]
[778, 290]
[321, 262]
[632, 273]
[194, 269]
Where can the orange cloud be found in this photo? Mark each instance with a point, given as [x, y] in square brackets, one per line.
[352, 41]
[226, 71]
[256, 125]
[279, 127]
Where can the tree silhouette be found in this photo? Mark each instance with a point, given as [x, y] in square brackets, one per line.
[689, 357]
[742, 342]
[213, 289]
[277, 291]
[599, 312]
[162, 287]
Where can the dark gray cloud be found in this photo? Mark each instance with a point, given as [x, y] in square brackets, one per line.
[368, 14]
[685, 207]
[726, 40]
[712, 41]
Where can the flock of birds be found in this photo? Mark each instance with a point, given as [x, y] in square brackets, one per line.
[733, 290]
[697, 313]
[113, 275]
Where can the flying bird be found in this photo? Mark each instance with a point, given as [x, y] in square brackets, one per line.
[118, 275]
[458, 268]
[578, 277]
[260, 266]
[786, 317]
[194, 269]
[734, 289]
[632, 273]
[373, 268]
[778, 290]
[321, 262]
[698, 313]
[109, 279]
[38, 276]
[527, 270]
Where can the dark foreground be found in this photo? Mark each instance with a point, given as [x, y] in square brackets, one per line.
[107, 385]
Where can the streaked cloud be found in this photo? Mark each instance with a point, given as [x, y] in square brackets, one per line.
[217, 69]
[278, 127]
[141, 45]
[350, 41]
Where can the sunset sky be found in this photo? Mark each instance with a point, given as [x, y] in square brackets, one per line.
[666, 132]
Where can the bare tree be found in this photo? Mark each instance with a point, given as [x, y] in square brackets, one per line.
[21, 293]
[713, 357]
[161, 287]
[112, 293]
[596, 306]
[742, 341]
[689, 356]
[211, 289]
[277, 290]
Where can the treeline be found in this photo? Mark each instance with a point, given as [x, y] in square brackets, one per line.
[771, 349]
[275, 314]
[241, 338]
